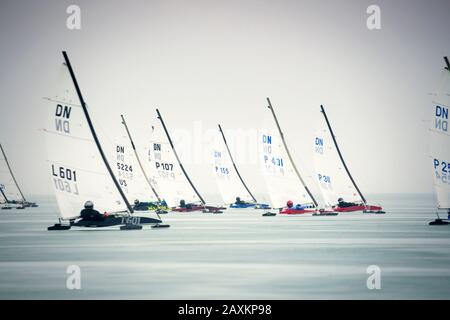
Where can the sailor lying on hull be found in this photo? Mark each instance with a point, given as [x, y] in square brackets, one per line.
[297, 209]
[90, 214]
[191, 207]
[344, 206]
[146, 206]
[89, 217]
[242, 204]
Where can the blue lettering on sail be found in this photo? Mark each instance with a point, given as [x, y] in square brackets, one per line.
[318, 145]
[267, 139]
[324, 178]
[319, 141]
[441, 118]
[442, 171]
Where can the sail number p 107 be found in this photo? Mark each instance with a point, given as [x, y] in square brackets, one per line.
[65, 179]
[164, 166]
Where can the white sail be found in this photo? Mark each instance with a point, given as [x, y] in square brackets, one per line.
[166, 172]
[76, 168]
[330, 173]
[7, 183]
[129, 173]
[228, 182]
[281, 179]
[440, 141]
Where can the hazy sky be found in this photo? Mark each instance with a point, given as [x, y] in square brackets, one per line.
[209, 62]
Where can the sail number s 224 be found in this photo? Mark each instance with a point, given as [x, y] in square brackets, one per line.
[65, 179]
[124, 167]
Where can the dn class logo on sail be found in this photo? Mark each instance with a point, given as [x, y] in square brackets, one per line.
[441, 119]
[61, 114]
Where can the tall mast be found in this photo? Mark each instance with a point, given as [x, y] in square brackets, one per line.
[139, 160]
[178, 159]
[340, 154]
[289, 155]
[12, 175]
[94, 135]
[234, 164]
[447, 63]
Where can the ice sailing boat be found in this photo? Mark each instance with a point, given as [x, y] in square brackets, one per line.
[440, 146]
[78, 167]
[133, 179]
[337, 185]
[232, 188]
[173, 181]
[283, 179]
[9, 188]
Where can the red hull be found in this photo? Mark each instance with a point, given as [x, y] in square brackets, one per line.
[357, 208]
[295, 211]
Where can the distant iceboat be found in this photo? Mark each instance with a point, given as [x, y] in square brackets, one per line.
[78, 167]
[232, 188]
[11, 194]
[333, 176]
[440, 146]
[282, 177]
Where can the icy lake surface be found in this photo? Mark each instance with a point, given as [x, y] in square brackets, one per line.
[235, 255]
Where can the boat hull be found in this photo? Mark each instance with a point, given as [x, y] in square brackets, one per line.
[198, 208]
[242, 206]
[116, 221]
[296, 211]
[358, 208]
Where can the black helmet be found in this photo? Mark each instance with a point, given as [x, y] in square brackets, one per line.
[88, 205]
[238, 198]
[340, 200]
[182, 202]
[136, 201]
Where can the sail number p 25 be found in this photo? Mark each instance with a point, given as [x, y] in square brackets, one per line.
[442, 170]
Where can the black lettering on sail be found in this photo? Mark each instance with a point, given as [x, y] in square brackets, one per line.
[60, 124]
[63, 111]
